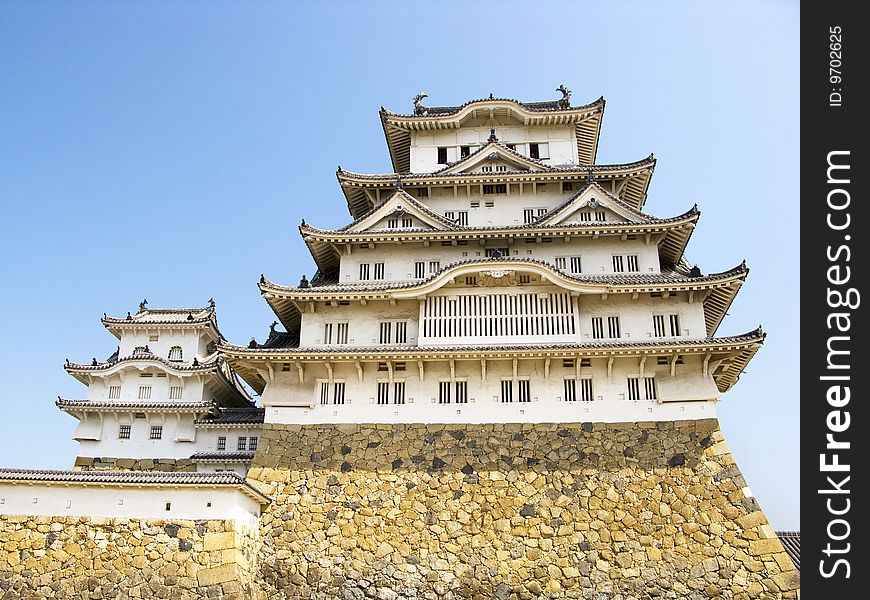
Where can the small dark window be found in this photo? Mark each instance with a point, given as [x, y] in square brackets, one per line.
[534, 151]
[568, 186]
[442, 155]
[464, 151]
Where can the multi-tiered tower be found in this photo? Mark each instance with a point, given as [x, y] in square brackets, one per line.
[502, 381]
[499, 276]
[165, 399]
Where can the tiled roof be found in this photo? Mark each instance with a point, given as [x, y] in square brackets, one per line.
[234, 416]
[164, 316]
[791, 541]
[223, 456]
[205, 365]
[547, 106]
[665, 278]
[66, 403]
[580, 170]
[406, 197]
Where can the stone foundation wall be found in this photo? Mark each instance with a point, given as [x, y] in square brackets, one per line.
[74, 557]
[107, 463]
[604, 511]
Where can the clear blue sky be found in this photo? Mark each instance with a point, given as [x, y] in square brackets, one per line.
[168, 150]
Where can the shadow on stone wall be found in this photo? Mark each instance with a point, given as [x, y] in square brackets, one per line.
[512, 510]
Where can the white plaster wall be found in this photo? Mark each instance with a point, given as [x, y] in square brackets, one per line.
[207, 438]
[98, 435]
[686, 395]
[130, 502]
[193, 343]
[130, 379]
[596, 256]
[424, 145]
[635, 317]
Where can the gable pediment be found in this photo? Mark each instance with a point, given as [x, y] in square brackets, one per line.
[592, 204]
[493, 158]
[399, 212]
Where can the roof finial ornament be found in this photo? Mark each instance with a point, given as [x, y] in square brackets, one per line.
[262, 278]
[252, 343]
[195, 361]
[211, 302]
[565, 100]
[490, 96]
[399, 183]
[302, 224]
[695, 271]
[419, 109]
[492, 136]
[129, 316]
[143, 304]
[190, 316]
[303, 283]
[590, 175]
[94, 361]
[272, 327]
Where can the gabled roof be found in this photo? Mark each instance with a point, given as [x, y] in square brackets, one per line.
[630, 180]
[602, 198]
[728, 355]
[399, 203]
[717, 290]
[223, 417]
[586, 120]
[204, 318]
[133, 478]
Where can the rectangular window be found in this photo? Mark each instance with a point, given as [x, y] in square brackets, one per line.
[422, 192]
[124, 432]
[618, 264]
[586, 389]
[386, 329]
[402, 332]
[524, 390]
[464, 151]
[659, 325]
[175, 353]
[156, 432]
[252, 443]
[392, 223]
[642, 388]
[461, 392]
[674, 321]
[495, 188]
[462, 217]
[364, 271]
[324, 392]
[575, 264]
[383, 392]
[153, 337]
[474, 203]
[242, 444]
[613, 327]
[561, 262]
[399, 392]
[534, 151]
[419, 270]
[114, 392]
[570, 386]
[568, 186]
[144, 392]
[444, 388]
[600, 215]
[407, 222]
[507, 390]
[337, 393]
[631, 261]
[486, 169]
[501, 168]
[528, 215]
[222, 443]
[442, 155]
[502, 252]
[434, 265]
[327, 333]
[379, 271]
[175, 392]
[568, 363]
[597, 328]
[341, 333]
[585, 216]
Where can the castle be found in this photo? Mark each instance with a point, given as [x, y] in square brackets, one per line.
[501, 382]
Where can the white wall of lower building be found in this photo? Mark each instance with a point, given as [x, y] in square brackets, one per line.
[184, 502]
[688, 394]
[207, 438]
[98, 435]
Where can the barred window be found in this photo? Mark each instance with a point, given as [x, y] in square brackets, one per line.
[222, 443]
[327, 333]
[124, 432]
[613, 327]
[600, 215]
[324, 392]
[444, 389]
[570, 386]
[242, 444]
[392, 223]
[252, 443]
[434, 265]
[175, 353]
[524, 390]
[144, 392]
[386, 332]
[401, 332]
[419, 270]
[642, 388]
[659, 325]
[618, 264]
[341, 333]
[597, 328]
[507, 390]
[114, 392]
[585, 216]
[337, 393]
[631, 261]
[379, 271]
[674, 321]
[561, 262]
[175, 392]
[461, 392]
[462, 217]
[399, 392]
[156, 432]
[407, 223]
[364, 271]
[586, 389]
[383, 392]
[575, 264]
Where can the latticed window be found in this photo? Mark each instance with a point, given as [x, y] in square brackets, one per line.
[364, 271]
[124, 432]
[337, 393]
[399, 392]
[642, 388]
[341, 333]
[383, 392]
[222, 443]
[114, 392]
[524, 390]
[419, 270]
[175, 353]
[175, 392]
[631, 263]
[575, 264]
[252, 443]
[242, 444]
[507, 390]
[600, 215]
[144, 392]
[407, 223]
[585, 389]
[156, 432]
[618, 263]
[379, 271]
[674, 321]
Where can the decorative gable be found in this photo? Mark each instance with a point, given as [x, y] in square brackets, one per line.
[399, 211]
[494, 158]
[593, 204]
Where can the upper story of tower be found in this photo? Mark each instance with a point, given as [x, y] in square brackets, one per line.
[552, 132]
